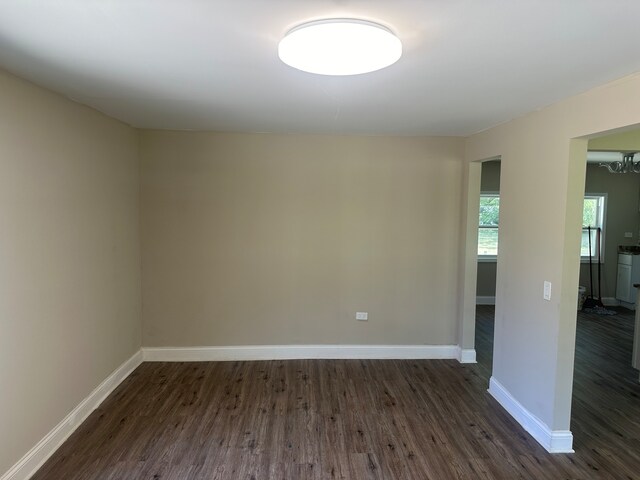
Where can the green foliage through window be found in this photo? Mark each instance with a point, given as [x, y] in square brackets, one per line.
[489, 210]
[488, 223]
[592, 215]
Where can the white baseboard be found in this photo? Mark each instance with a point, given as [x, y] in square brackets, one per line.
[294, 352]
[554, 441]
[40, 453]
[485, 300]
[482, 300]
[467, 355]
[610, 301]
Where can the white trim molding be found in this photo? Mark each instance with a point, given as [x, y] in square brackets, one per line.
[294, 352]
[554, 441]
[482, 300]
[489, 300]
[467, 355]
[40, 453]
[611, 302]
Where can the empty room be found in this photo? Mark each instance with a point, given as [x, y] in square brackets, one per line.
[319, 240]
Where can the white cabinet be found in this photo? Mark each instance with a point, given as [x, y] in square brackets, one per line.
[628, 274]
[624, 285]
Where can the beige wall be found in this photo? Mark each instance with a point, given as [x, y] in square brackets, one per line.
[276, 239]
[535, 339]
[627, 140]
[69, 258]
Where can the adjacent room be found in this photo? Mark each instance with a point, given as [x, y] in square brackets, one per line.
[601, 409]
[319, 240]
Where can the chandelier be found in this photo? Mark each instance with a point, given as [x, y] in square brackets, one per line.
[627, 165]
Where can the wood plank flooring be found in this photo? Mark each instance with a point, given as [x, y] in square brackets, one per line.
[352, 419]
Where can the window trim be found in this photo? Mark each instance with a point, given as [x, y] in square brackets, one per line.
[488, 258]
[603, 221]
[583, 258]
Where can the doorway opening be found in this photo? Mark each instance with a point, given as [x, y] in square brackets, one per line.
[605, 347]
[487, 251]
[480, 239]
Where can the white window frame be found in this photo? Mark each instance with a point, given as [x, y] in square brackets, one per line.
[488, 258]
[602, 218]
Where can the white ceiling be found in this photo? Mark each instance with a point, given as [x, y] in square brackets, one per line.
[212, 65]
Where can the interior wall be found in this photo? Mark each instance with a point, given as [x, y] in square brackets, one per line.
[622, 215]
[69, 258]
[489, 183]
[628, 140]
[280, 239]
[539, 240]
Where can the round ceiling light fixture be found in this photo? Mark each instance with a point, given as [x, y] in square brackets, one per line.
[339, 46]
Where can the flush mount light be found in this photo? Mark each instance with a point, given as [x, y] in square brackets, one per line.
[340, 47]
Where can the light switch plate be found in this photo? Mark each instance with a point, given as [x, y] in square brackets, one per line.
[362, 316]
[628, 234]
[547, 290]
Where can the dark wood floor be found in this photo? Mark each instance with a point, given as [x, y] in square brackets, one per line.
[355, 420]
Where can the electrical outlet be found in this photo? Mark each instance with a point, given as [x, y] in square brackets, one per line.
[628, 235]
[364, 316]
[547, 290]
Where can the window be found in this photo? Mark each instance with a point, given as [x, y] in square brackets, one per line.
[488, 226]
[593, 215]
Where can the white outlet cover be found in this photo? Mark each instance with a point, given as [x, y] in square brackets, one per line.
[362, 316]
[547, 290]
